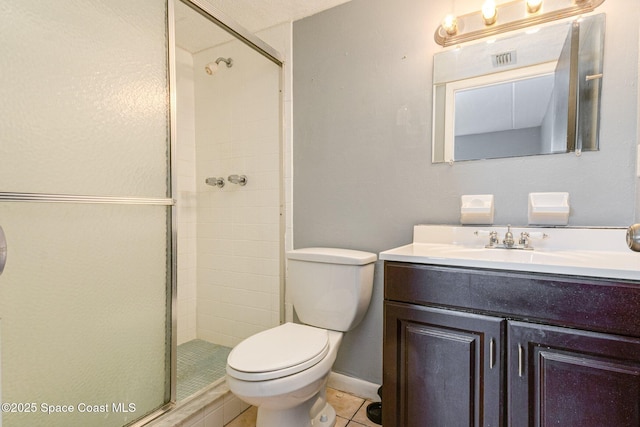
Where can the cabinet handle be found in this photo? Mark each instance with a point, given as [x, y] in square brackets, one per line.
[492, 360]
[520, 360]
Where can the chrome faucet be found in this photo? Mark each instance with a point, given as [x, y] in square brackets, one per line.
[524, 242]
[508, 238]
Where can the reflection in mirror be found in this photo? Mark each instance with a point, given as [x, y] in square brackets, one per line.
[509, 118]
[534, 93]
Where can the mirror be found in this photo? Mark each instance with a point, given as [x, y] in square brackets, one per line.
[537, 92]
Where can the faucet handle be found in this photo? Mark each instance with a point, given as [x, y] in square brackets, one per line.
[238, 179]
[215, 182]
[538, 235]
[525, 237]
[493, 236]
[534, 235]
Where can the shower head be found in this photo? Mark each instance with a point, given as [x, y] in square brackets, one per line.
[212, 67]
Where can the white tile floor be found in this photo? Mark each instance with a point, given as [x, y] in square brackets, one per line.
[351, 411]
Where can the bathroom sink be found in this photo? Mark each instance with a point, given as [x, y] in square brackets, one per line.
[573, 251]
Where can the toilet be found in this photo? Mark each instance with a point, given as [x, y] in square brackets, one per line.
[284, 370]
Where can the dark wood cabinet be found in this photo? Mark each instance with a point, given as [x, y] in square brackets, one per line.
[567, 377]
[469, 347]
[442, 367]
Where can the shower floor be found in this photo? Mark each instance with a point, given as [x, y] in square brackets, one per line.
[200, 364]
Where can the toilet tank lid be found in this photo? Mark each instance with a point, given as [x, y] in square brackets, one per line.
[333, 256]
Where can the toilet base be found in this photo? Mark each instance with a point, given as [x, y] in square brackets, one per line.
[298, 416]
[326, 417]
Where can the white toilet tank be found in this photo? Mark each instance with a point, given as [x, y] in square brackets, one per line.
[330, 288]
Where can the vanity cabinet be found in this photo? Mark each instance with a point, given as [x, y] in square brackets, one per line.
[475, 347]
[449, 358]
[565, 377]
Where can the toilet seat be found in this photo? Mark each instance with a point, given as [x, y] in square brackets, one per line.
[278, 352]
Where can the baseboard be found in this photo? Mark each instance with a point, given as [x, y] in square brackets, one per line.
[355, 386]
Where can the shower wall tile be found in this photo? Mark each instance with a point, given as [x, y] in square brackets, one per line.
[238, 231]
[232, 250]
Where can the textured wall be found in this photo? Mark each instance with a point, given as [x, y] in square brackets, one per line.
[362, 129]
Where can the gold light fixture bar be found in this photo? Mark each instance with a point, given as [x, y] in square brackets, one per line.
[509, 17]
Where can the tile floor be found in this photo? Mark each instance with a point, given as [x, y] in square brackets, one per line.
[351, 411]
[200, 364]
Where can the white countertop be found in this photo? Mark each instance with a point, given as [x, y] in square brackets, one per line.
[593, 252]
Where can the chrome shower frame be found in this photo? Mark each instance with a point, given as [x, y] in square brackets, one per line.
[232, 27]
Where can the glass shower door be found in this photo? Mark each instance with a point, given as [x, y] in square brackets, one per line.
[86, 210]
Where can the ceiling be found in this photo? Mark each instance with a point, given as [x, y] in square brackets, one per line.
[195, 34]
[519, 104]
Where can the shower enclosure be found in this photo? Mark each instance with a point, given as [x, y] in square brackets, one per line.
[104, 210]
[229, 190]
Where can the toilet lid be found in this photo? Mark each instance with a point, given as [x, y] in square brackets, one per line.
[278, 352]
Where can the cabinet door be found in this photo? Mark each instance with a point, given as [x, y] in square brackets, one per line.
[568, 377]
[441, 367]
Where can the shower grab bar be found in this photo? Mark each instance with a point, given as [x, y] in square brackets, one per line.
[238, 179]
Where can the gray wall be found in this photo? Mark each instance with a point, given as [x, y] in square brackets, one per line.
[362, 177]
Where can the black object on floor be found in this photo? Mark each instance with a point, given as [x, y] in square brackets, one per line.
[374, 410]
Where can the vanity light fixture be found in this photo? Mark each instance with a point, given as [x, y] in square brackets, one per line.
[495, 19]
[533, 5]
[489, 12]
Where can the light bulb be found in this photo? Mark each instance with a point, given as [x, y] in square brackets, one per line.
[489, 12]
[533, 5]
[450, 25]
